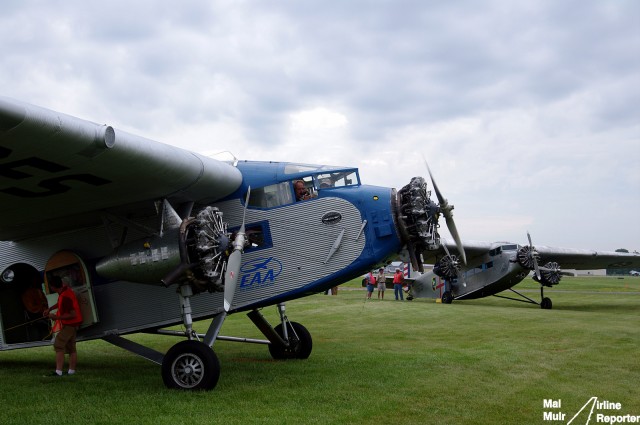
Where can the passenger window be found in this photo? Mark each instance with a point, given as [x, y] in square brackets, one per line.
[258, 236]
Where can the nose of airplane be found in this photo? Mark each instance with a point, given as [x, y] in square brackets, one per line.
[417, 216]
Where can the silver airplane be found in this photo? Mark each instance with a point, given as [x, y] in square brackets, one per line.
[495, 267]
[151, 236]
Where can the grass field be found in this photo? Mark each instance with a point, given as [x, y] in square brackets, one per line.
[488, 361]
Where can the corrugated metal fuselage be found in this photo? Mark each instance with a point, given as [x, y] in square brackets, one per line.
[490, 275]
[302, 253]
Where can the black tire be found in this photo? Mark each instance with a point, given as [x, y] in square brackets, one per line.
[300, 343]
[447, 298]
[546, 304]
[190, 365]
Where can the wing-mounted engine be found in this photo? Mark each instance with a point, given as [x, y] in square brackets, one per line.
[206, 242]
[192, 251]
[550, 274]
[448, 267]
[528, 257]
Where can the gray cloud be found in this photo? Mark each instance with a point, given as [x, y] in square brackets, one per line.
[525, 109]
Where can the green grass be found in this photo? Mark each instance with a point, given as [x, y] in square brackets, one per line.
[487, 361]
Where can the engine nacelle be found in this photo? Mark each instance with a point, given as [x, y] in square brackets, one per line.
[195, 252]
[146, 260]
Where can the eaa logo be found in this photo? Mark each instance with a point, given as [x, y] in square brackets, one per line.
[259, 273]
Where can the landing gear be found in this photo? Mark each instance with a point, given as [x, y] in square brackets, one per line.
[545, 302]
[289, 340]
[193, 365]
[447, 298]
[299, 340]
[190, 365]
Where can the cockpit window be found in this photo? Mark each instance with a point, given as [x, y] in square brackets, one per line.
[299, 168]
[271, 196]
[337, 179]
[302, 188]
[512, 247]
[310, 168]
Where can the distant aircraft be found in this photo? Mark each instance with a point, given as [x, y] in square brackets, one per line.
[634, 273]
[151, 236]
[495, 267]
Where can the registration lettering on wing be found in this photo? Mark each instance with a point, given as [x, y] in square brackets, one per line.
[259, 273]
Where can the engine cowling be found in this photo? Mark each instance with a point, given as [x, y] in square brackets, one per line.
[447, 267]
[550, 274]
[527, 257]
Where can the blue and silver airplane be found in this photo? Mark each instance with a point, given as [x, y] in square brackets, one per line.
[151, 236]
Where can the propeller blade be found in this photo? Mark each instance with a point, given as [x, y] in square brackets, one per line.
[451, 225]
[441, 199]
[235, 260]
[231, 277]
[533, 257]
[448, 215]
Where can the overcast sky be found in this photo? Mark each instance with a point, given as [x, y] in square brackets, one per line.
[528, 112]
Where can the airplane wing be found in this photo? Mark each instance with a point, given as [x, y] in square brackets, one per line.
[471, 248]
[584, 259]
[58, 172]
[567, 258]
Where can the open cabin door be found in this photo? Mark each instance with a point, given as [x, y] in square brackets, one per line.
[72, 270]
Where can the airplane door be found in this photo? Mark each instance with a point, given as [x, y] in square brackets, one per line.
[73, 272]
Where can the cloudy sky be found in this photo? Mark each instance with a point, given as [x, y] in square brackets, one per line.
[528, 112]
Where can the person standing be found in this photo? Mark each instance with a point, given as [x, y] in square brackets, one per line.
[371, 281]
[398, 278]
[68, 319]
[382, 284]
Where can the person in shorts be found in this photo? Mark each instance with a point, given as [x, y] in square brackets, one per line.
[68, 319]
[382, 284]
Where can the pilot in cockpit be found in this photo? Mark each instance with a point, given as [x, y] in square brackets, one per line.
[302, 193]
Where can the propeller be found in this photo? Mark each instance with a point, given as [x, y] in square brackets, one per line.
[534, 257]
[446, 210]
[235, 260]
[551, 273]
[548, 275]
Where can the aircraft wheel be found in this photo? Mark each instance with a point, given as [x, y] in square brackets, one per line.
[190, 365]
[299, 347]
[546, 303]
[447, 298]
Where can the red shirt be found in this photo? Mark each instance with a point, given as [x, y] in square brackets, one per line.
[68, 302]
[398, 278]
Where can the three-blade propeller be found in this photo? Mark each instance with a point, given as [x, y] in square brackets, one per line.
[235, 260]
